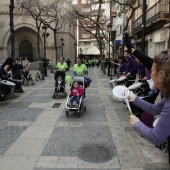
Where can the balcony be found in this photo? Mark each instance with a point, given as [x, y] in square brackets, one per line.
[156, 17]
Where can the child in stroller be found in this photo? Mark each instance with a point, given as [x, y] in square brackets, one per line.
[77, 93]
[59, 84]
[27, 77]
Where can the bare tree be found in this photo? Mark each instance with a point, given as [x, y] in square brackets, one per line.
[94, 23]
[128, 5]
[55, 18]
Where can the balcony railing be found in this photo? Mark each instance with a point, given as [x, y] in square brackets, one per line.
[159, 10]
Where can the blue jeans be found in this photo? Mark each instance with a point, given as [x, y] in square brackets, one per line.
[77, 98]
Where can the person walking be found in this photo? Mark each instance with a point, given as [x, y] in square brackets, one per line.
[68, 63]
[131, 69]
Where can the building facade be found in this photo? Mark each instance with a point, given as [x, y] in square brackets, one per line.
[156, 32]
[26, 37]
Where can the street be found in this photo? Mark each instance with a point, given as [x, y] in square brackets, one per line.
[36, 136]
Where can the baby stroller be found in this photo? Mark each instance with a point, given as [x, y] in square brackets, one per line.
[81, 106]
[59, 78]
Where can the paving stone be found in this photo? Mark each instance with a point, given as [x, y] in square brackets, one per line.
[65, 140]
[46, 91]
[24, 123]
[91, 115]
[150, 152]
[20, 105]
[12, 123]
[27, 147]
[92, 91]
[8, 135]
[14, 162]
[38, 105]
[20, 114]
[91, 98]
[38, 98]
[47, 162]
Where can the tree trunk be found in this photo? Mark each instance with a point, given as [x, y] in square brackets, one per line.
[38, 43]
[55, 43]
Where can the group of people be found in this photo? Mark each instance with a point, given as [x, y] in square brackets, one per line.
[79, 69]
[159, 66]
[91, 62]
[15, 69]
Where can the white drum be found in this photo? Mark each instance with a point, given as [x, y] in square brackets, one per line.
[120, 93]
[16, 80]
[134, 86]
[8, 83]
[121, 78]
[155, 121]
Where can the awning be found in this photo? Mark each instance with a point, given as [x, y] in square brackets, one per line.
[118, 42]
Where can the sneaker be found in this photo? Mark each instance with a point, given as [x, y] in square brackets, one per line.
[76, 106]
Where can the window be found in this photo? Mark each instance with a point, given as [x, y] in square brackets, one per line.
[87, 43]
[85, 9]
[85, 35]
[85, 1]
[95, 7]
[74, 1]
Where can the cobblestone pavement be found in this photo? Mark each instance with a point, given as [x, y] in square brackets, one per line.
[35, 136]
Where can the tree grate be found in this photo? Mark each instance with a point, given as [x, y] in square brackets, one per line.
[56, 105]
[95, 153]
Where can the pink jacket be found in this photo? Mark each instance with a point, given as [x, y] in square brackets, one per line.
[79, 90]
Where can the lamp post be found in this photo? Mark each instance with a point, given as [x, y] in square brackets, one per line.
[101, 53]
[12, 32]
[44, 30]
[109, 29]
[81, 52]
[62, 44]
[143, 26]
[75, 52]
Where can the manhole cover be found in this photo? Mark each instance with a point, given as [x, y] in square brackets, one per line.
[56, 105]
[95, 153]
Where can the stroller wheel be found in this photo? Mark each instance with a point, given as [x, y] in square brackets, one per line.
[26, 82]
[78, 114]
[65, 95]
[32, 83]
[67, 113]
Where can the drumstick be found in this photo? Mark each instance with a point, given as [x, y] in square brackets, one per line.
[128, 105]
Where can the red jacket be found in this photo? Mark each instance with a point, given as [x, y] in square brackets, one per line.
[79, 90]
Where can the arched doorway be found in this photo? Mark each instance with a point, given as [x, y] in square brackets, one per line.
[26, 50]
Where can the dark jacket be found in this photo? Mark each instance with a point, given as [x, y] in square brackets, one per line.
[144, 59]
[122, 68]
[142, 72]
[132, 66]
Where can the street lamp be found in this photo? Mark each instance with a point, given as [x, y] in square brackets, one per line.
[109, 29]
[75, 52]
[81, 52]
[101, 51]
[12, 32]
[44, 31]
[62, 44]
